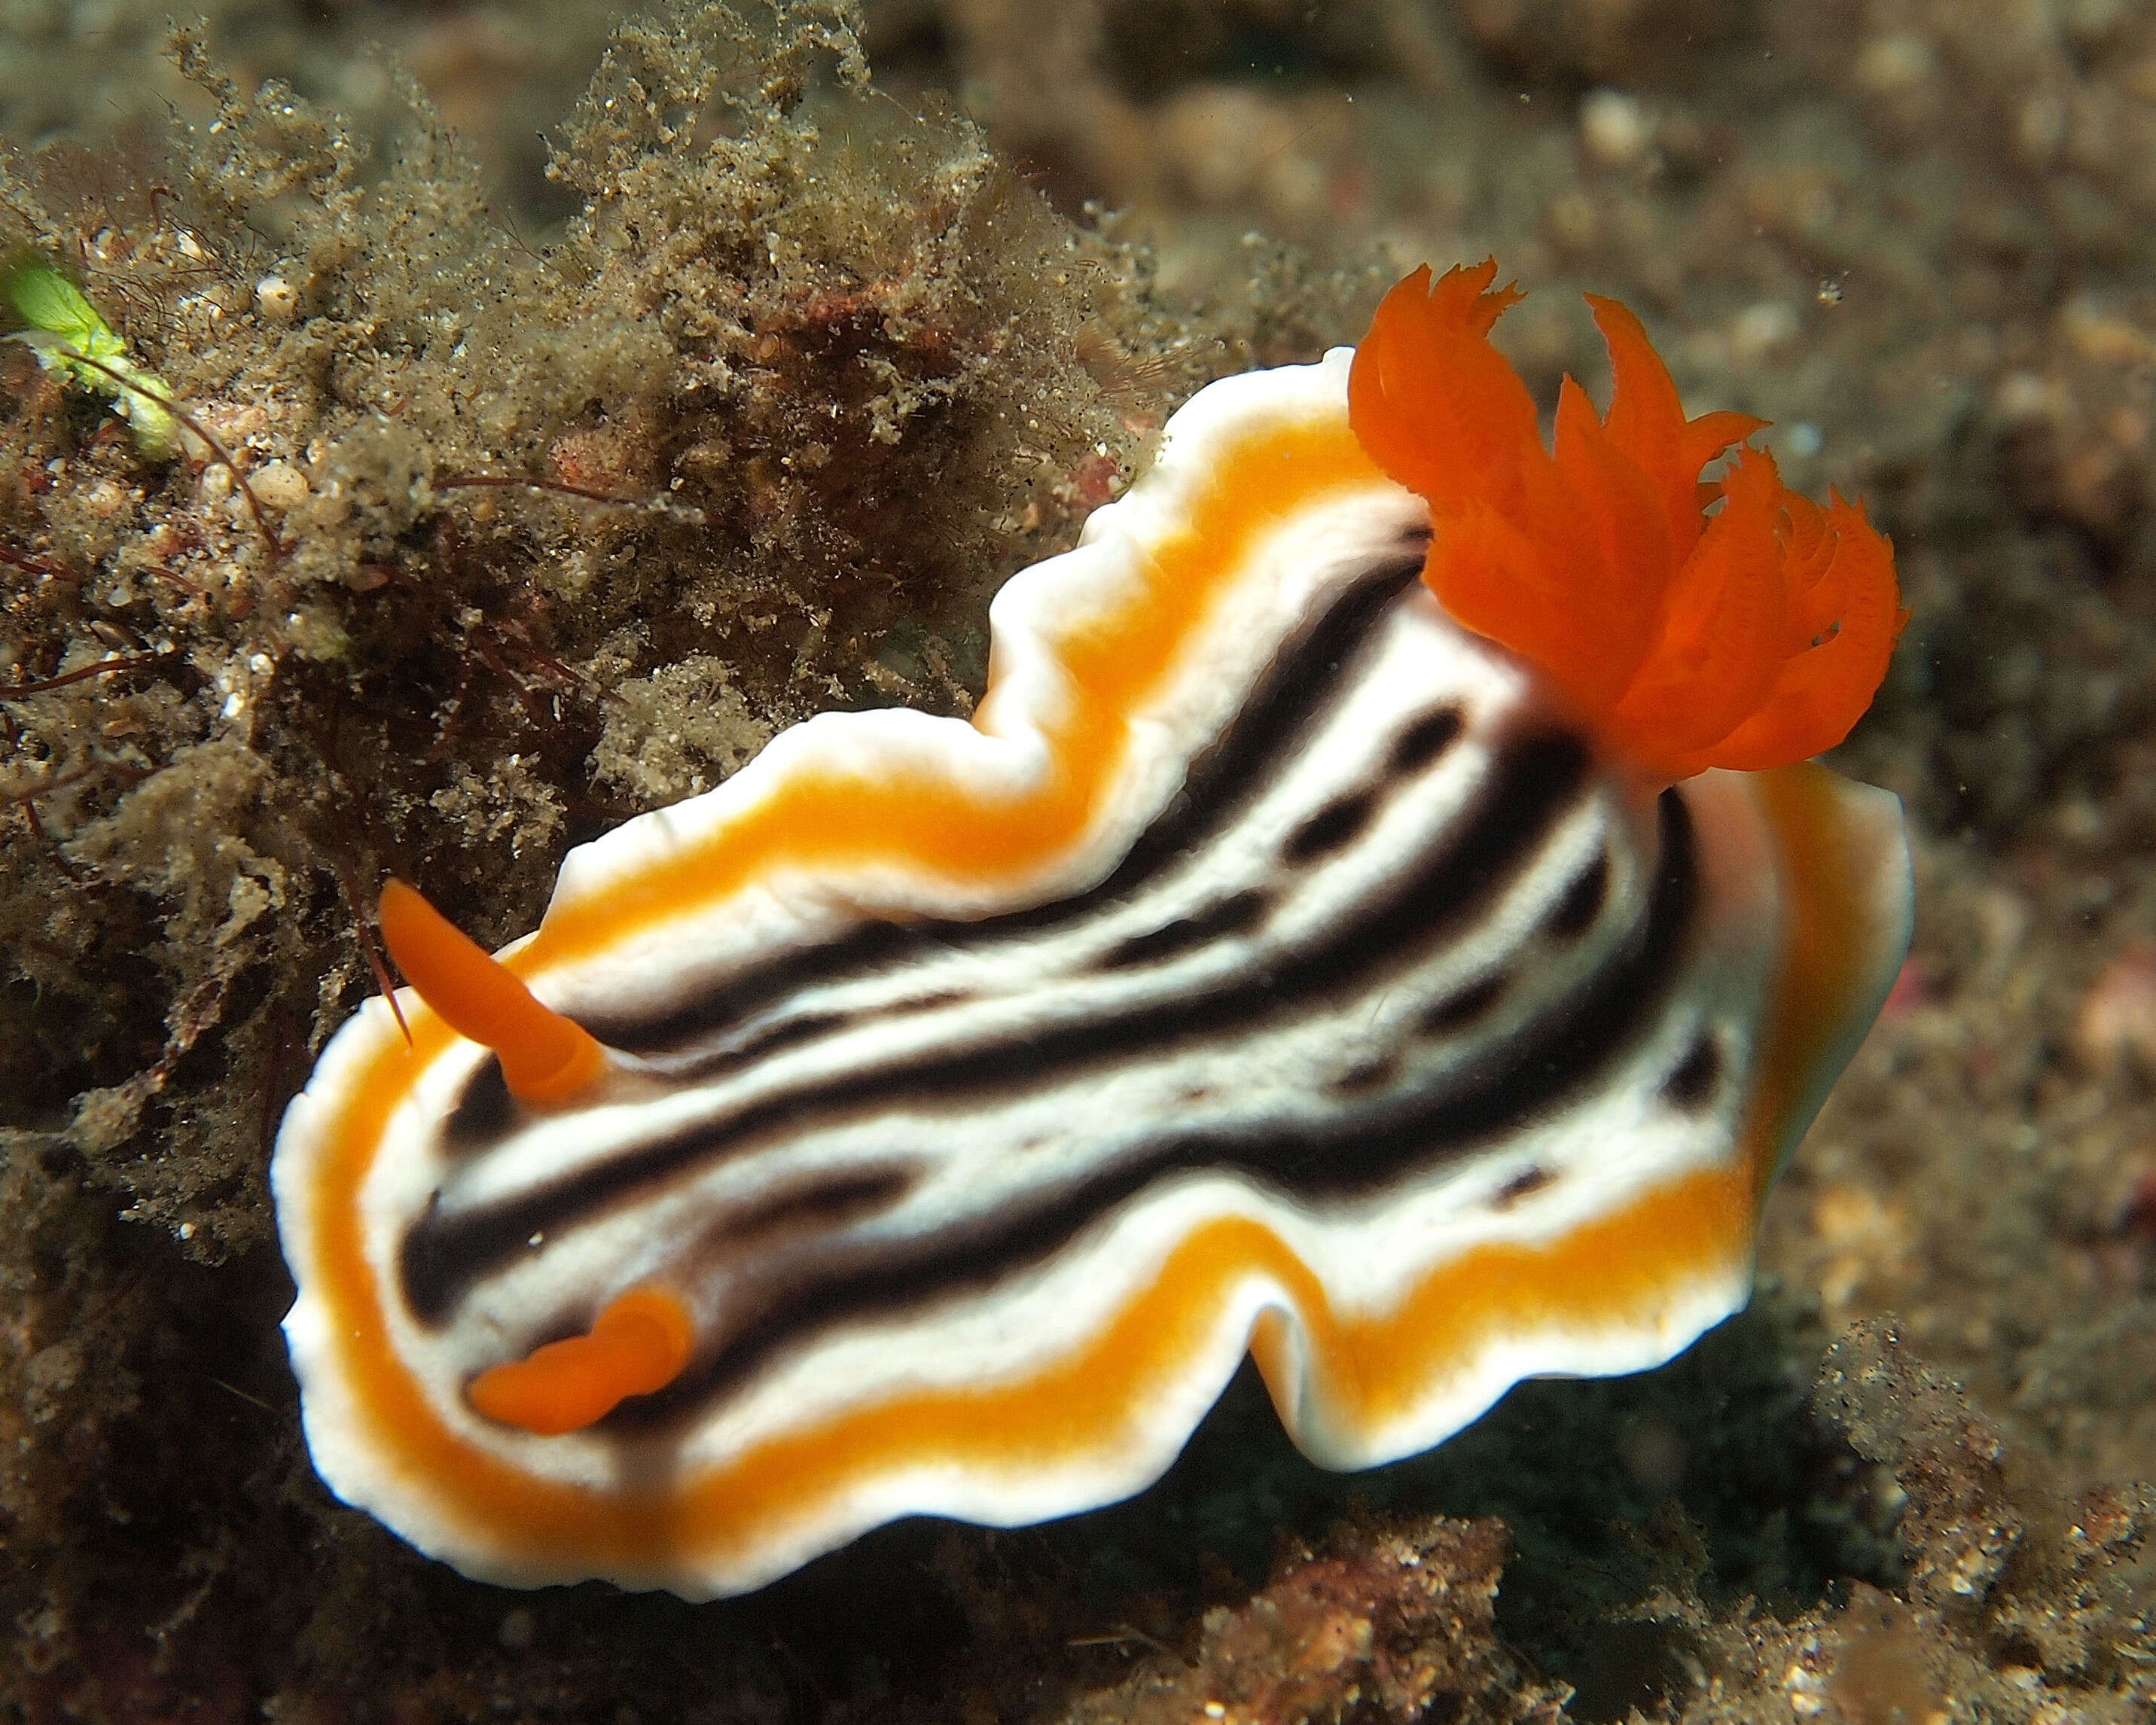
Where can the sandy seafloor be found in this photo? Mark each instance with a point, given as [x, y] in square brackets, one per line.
[1920, 235]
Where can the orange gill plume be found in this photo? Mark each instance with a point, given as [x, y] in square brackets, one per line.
[1750, 636]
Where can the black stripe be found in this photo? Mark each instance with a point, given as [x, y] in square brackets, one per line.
[819, 1202]
[1599, 1026]
[1531, 785]
[1237, 913]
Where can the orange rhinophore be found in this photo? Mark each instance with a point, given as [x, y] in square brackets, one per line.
[639, 1343]
[1729, 623]
[545, 1057]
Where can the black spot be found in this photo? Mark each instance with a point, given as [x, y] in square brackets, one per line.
[1583, 901]
[1527, 1181]
[1423, 741]
[1693, 1084]
[1237, 914]
[485, 1111]
[1366, 1076]
[1332, 827]
[1456, 1012]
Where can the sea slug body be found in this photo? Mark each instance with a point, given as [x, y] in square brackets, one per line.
[1312, 948]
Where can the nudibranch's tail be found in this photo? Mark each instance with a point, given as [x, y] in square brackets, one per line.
[1751, 636]
[545, 1057]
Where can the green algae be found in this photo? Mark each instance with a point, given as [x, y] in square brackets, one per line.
[70, 337]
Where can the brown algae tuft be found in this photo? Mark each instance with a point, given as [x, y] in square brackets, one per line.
[805, 377]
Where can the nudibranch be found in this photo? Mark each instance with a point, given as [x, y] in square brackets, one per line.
[1339, 936]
